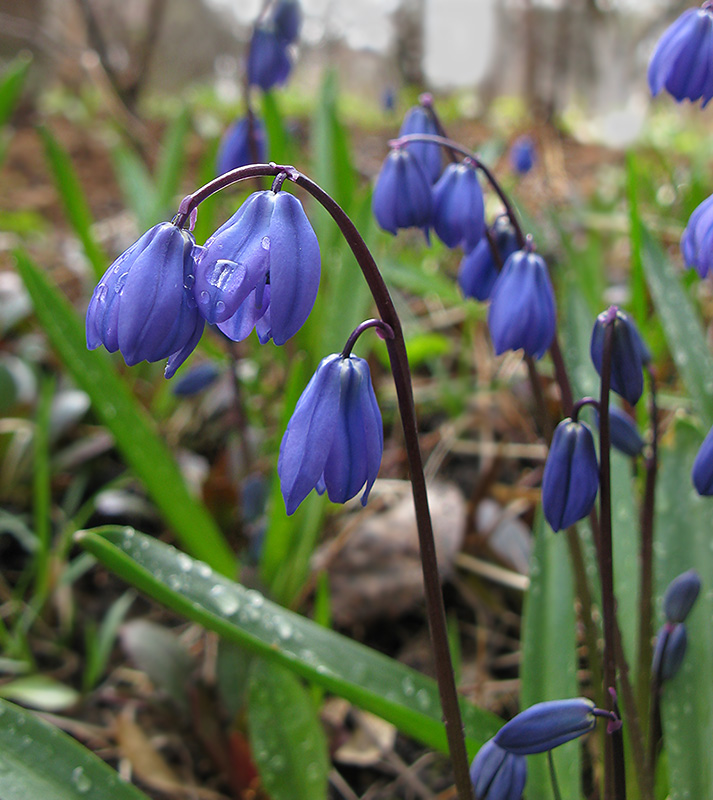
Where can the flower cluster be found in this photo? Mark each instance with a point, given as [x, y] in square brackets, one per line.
[672, 639]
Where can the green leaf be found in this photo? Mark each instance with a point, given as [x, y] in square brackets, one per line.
[683, 541]
[280, 147]
[342, 666]
[74, 200]
[133, 431]
[170, 165]
[287, 740]
[40, 692]
[137, 186]
[11, 82]
[682, 326]
[37, 760]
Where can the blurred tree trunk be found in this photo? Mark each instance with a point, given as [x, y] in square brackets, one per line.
[408, 21]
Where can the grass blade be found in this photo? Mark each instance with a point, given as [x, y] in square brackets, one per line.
[11, 82]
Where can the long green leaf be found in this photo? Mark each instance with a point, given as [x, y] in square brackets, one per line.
[363, 676]
[39, 761]
[133, 431]
[170, 163]
[137, 186]
[11, 82]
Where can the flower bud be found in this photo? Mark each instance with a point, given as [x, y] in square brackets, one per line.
[522, 155]
[681, 62]
[497, 774]
[419, 120]
[402, 195]
[697, 239]
[268, 61]
[628, 354]
[236, 148]
[196, 379]
[458, 210]
[571, 478]
[669, 651]
[623, 433]
[287, 20]
[702, 472]
[680, 596]
[522, 306]
[546, 725]
[478, 271]
[335, 437]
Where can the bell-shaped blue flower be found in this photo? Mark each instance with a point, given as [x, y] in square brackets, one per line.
[628, 355]
[682, 62]
[196, 379]
[546, 725]
[697, 239]
[571, 478]
[702, 472]
[287, 20]
[478, 271]
[497, 774]
[670, 650]
[623, 433]
[420, 120]
[522, 154]
[680, 596]
[335, 437]
[268, 60]
[402, 195]
[243, 143]
[268, 241]
[458, 210]
[143, 305]
[522, 306]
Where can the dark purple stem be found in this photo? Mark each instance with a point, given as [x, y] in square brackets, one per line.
[385, 331]
[580, 404]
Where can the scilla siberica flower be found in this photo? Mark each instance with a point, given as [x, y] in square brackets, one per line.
[682, 62]
[628, 354]
[497, 774]
[265, 256]
[697, 239]
[243, 143]
[402, 195]
[702, 472]
[623, 433]
[681, 595]
[522, 155]
[335, 437]
[268, 60]
[571, 478]
[143, 305]
[287, 19]
[420, 120]
[670, 650]
[522, 306]
[458, 210]
[478, 271]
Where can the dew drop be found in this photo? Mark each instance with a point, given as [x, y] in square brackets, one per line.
[100, 292]
[203, 569]
[423, 699]
[189, 280]
[283, 628]
[255, 599]
[408, 686]
[120, 281]
[220, 307]
[185, 563]
[265, 243]
[81, 780]
[174, 582]
[204, 298]
[226, 602]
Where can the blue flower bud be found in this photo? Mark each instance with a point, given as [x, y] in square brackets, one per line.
[680, 596]
[143, 305]
[458, 210]
[269, 239]
[571, 478]
[522, 306]
[702, 472]
[419, 120]
[682, 62]
[402, 195]
[196, 379]
[335, 437]
[287, 20]
[669, 651]
[522, 155]
[268, 61]
[478, 271]
[236, 149]
[546, 725]
[623, 432]
[697, 239]
[497, 774]
[628, 355]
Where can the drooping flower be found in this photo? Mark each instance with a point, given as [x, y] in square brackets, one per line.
[268, 60]
[670, 650]
[680, 596]
[697, 239]
[458, 210]
[478, 271]
[243, 143]
[522, 154]
[623, 433]
[196, 379]
[571, 478]
[497, 774]
[287, 20]
[267, 255]
[546, 725]
[335, 437]
[702, 472]
[420, 120]
[402, 195]
[682, 62]
[628, 354]
[522, 306]
[143, 305]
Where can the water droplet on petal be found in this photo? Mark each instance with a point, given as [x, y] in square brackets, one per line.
[189, 280]
[265, 242]
[120, 281]
[220, 307]
[100, 292]
[204, 298]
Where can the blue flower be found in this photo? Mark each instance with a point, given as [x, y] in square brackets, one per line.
[522, 154]
[702, 472]
[420, 120]
[623, 433]
[287, 19]
[458, 210]
[571, 478]
[236, 148]
[680, 596]
[268, 61]
[670, 650]
[402, 195]
[335, 437]
[546, 725]
[497, 774]
[697, 239]
[522, 306]
[682, 62]
[196, 379]
[478, 271]
[265, 255]
[143, 305]
[628, 355]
